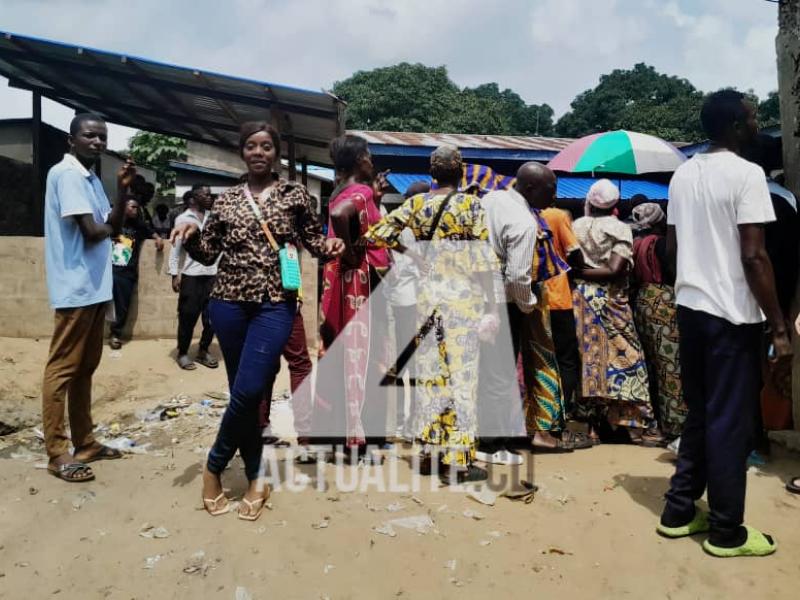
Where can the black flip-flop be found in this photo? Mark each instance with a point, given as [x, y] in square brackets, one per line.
[207, 361]
[104, 453]
[561, 447]
[792, 487]
[578, 440]
[67, 472]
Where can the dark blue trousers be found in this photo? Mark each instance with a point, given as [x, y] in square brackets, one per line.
[251, 337]
[721, 378]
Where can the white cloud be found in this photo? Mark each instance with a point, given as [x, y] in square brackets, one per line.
[601, 28]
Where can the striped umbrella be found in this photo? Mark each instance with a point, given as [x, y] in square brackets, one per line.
[618, 152]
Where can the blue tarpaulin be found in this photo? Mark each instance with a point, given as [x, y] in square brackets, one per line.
[568, 187]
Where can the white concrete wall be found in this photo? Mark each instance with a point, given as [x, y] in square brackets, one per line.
[15, 142]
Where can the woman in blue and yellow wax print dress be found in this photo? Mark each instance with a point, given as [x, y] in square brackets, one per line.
[451, 310]
[614, 394]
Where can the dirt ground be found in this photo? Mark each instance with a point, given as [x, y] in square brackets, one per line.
[589, 533]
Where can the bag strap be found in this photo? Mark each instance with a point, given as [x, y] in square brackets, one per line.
[438, 217]
[260, 216]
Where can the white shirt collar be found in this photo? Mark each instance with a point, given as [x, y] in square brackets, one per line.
[76, 164]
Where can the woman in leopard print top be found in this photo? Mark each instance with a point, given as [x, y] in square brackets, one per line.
[250, 311]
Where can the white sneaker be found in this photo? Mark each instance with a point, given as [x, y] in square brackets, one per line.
[674, 445]
[501, 457]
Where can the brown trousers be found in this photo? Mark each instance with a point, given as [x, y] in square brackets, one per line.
[75, 352]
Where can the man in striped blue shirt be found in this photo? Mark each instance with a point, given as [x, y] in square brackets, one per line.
[512, 233]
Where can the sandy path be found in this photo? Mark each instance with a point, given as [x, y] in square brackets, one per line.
[598, 506]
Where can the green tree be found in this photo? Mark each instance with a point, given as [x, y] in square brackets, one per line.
[407, 97]
[402, 97]
[769, 110]
[507, 113]
[639, 99]
[154, 150]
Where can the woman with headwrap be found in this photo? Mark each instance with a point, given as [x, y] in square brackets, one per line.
[656, 316]
[452, 313]
[614, 389]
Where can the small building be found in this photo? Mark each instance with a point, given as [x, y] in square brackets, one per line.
[20, 214]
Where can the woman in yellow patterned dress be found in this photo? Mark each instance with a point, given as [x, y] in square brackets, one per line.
[451, 311]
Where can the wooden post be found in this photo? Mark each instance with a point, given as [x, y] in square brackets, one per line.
[292, 159]
[304, 171]
[37, 197]
[788, 49]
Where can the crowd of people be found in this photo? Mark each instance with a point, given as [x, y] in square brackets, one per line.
[513, 324]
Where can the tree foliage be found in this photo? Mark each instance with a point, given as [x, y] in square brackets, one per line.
[642, 99]
[769, 110]
[639, 99]
[154, 150]
[413, 97]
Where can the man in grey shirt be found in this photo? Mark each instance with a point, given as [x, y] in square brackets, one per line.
[512, 233]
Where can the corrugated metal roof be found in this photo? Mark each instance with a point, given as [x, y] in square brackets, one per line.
[401, 181]
[578, 187]
[653, 190]
[462, 140]
[184, 102]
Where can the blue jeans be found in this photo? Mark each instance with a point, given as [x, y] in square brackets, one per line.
[251, 337]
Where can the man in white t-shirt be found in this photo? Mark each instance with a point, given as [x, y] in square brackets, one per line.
[725, 288]
[193, 282]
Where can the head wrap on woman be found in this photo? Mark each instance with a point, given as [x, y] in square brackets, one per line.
[603, 195]
[647, 215]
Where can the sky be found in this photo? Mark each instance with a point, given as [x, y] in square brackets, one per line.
[545, 50]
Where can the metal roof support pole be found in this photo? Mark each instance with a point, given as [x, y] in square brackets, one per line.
[304, 171]
[292, 158]
[37, 197]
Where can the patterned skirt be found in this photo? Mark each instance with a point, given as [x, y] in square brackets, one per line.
[541, 383]
[614, 383]
[657, 324]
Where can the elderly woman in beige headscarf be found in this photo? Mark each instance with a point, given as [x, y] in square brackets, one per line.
[451, 312]
[614, 391]
[656, 316]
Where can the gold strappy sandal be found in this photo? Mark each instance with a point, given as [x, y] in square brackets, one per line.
[251, 505]
[213, 507]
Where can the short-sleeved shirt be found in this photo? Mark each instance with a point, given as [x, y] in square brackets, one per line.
[559, 294]
[709, 197]
[600, 237]
[127, 247]
[78, 272]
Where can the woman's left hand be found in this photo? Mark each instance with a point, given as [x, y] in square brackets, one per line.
[334, 247]
[380, 184]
